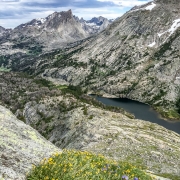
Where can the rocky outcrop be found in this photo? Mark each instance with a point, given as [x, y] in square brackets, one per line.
[4, 33]
[101, 131]
[2, 30]
[95, 25]
[20, 147]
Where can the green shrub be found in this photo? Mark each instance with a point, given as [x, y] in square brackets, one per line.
[178, 105]
[77, 165]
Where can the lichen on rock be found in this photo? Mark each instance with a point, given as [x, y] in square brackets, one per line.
[20, 147]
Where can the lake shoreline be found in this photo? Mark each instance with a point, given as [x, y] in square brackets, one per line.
[162, 113]
[141, 111]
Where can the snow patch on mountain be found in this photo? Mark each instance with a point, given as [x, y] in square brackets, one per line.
[151, 6]
[41, 20]
[152, 44]
[160, 34]
[91, 24]
[95, 25]
[176, 24]
[172, 29]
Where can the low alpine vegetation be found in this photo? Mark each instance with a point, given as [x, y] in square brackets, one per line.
[71, 164]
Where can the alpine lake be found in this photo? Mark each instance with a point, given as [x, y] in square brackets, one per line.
[140, 111]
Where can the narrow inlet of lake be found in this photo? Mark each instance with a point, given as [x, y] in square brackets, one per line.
[140, 111]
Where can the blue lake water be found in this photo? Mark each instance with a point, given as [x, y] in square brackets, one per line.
[140, 111]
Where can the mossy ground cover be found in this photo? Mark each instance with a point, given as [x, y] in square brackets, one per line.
[77, 165]
[170, 114]
[3, 69]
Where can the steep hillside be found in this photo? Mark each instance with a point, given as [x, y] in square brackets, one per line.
[20, 147]
[115, 135]
[137, 56]
[72, 120]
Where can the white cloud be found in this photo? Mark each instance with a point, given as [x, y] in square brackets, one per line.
[8, 1]
[16, 12]
[79, 0]
[88, 13]
[126, 3]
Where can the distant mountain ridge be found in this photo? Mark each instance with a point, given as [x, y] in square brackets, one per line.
[95, 25]
[2, 29]
[4, 32]
[51, 32]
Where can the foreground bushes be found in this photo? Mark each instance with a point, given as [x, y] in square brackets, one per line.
[71, 164]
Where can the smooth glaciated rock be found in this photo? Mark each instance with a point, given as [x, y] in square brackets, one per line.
[20, 147]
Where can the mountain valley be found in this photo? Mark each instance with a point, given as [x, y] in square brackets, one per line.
[137, 56]
[49, 66]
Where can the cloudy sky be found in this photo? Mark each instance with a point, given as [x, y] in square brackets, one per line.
[16, 12]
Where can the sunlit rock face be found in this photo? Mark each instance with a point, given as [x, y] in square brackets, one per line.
[20, 147]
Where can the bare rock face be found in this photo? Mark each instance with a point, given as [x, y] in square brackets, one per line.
[2, 29]
[20, 147]
[4, 33]
[95, 25]
[115, 135]
[53, 31]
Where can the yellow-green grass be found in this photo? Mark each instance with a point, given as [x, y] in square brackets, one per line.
[170, 114]
[3, 69]
[77, 165]
[62, 87]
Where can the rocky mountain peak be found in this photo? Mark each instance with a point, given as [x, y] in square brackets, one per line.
[95, 25]
[54, 20]
[54, 30]
[63, 16]
[2, 29]
[4, 32]
[96, 19]
[67, 14]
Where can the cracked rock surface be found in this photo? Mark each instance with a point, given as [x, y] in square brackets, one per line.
[20, 147]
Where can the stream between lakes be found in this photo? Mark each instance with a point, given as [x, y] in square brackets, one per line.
[140, 111]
